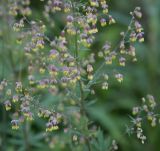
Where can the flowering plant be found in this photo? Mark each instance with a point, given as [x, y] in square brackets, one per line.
[62, 66]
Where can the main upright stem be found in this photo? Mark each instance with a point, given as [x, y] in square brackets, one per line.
[82, 108]
[82, 97]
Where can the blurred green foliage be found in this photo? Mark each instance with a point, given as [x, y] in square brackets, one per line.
[112, 107]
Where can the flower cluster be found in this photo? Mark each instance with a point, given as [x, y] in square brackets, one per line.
[62, 65]
[141, 114]
[20, 101]
[19, 7]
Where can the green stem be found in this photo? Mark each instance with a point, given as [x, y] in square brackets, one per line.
[88, 144]
[4, 132]
[82, 108]
[26, 137]
[82, 97]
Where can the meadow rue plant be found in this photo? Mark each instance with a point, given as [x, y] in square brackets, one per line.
[56, 64]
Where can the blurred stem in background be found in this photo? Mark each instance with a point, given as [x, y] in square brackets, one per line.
[3, 53]
[153, 22]
[4, 120]
[26, 136]
[152, 8]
